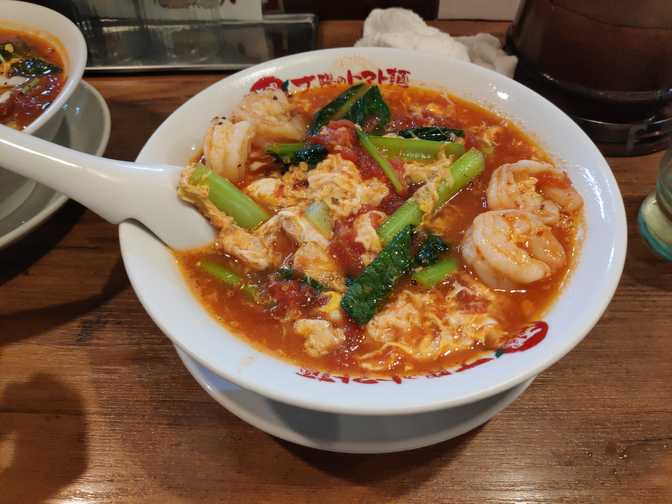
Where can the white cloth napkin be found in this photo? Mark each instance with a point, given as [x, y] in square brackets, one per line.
[403, 28]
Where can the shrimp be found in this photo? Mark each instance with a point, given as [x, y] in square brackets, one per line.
[536, 187]
[226, 147]
[271, 114]
[507, 248]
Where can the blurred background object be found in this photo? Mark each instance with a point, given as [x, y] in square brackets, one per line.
[359, 9]
[167, 35]
[160, 35]
[607, 63]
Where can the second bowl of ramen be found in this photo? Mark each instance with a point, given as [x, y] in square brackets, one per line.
[42, 60]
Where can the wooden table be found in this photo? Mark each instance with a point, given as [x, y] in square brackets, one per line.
[96, 406]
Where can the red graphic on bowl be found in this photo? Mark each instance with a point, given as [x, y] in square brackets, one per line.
[267, 82]
[396, 76]
[530, 336]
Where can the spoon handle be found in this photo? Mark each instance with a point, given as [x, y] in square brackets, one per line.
[108, 187]
[115, 190]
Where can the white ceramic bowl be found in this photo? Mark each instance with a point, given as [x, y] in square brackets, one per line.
[68, 40]
[157, 281]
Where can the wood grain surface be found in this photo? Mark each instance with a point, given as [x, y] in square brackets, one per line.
[96, 407]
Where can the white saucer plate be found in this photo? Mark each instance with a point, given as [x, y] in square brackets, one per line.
[86, 128]
[348, 433]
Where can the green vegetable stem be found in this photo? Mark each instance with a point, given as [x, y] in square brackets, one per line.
[407, 214]
[226, 276]
[317, 214]
[465, 169]
[429, 276]
[415, 149]
[385, 165]
[228, 198]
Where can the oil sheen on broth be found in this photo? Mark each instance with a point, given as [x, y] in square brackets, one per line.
[418, 329]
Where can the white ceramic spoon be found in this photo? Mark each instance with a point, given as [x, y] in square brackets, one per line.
[115, 190]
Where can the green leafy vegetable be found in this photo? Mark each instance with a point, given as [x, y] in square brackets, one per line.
[431, 250]
[311, 154]
[317, 214]
[337, 108]
[311, 282]
[285, 273]
[294, 153]
[370, 111]
[33, 67]
[415, 149]
[362, 104]
[434, 133]
[370, 290]
[391, 174]
[223, 274]
[431, 275]
[228, 198]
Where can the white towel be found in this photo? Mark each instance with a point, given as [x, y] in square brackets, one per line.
[403, 28]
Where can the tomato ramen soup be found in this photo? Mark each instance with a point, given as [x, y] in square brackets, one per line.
[377, 230]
